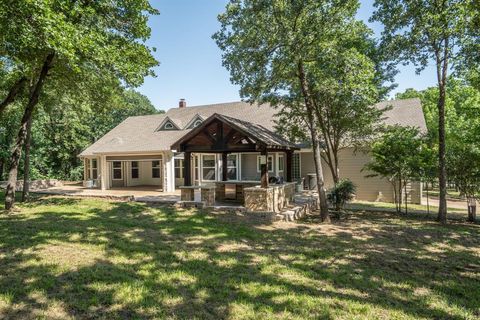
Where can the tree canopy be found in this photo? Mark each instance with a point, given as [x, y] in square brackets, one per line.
[420, 31]
[91, 49]
[292, 53]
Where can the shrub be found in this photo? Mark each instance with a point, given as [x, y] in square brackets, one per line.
[341, 193]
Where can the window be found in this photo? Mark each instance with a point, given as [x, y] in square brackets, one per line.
[269, 163]
[156, 169]
[117, 170]
[94, 169]
[195, 173]
[168, 126]
[87, 169]
[197, 123]
[281, 163]
[134, 169]
[179, 168]
[208, 167]
[232, 164]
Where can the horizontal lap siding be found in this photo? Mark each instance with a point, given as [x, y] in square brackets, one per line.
[350, 166]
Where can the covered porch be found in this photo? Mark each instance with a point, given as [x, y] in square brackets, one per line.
[211, 154]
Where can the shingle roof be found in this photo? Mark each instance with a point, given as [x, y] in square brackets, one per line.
[139, 134]
[405, 112]
[256, 132]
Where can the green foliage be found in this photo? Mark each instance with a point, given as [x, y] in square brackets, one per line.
[397, 156]
[341, 193]
[63, 127]
[418, 32]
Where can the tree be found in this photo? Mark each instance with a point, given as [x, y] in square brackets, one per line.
[396, 156]
[463, 159]
[346, 88]
[77, 45]
[274, 51]
[418, 31]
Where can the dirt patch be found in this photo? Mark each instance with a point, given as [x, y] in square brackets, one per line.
[70, 254]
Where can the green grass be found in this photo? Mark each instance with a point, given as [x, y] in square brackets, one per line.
[427, 212]
[451, 194]
[66, 258]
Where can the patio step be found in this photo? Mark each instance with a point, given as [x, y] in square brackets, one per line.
[298, 209]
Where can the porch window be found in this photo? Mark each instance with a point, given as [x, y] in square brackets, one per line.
[156, 169]
[87, 169]
[232, 165]
[208, 167]
[281, 163]
[179, 168]
[134, 169]
[269, 163]
[94, 169]
[195, 173]
[117, 170]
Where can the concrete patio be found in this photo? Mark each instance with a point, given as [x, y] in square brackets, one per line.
[137, 193]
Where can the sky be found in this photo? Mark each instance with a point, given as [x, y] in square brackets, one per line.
[191, 63]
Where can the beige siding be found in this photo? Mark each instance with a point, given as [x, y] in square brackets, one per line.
[350, 166]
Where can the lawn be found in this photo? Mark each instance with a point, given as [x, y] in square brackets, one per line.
[82, 258]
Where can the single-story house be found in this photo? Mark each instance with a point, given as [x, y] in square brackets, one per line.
[224, 142]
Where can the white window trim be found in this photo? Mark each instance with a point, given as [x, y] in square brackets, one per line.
[168, 126]
[201, 167]
[269, 157]
[180, 167]
[159, 169]
[281, 159]
[121, 171]
[197, 123]
[131, 170]
[237, 156]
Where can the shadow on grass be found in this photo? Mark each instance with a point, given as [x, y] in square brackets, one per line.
[88, 258]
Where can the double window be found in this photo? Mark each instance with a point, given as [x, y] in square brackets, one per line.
[117, 170]
[135, 170]
[156, 169]
[91, 167]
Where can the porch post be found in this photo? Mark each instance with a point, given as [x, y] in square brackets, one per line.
[224, 166]
[289, 165]
[187, 171]
[103, 172]
[264, 169]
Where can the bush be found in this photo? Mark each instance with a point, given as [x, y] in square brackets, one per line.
[341, 193]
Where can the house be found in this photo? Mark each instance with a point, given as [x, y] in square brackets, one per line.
[151, 150]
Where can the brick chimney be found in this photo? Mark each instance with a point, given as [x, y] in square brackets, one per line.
[182, 103]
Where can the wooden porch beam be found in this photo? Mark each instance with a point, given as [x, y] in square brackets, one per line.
[187, 169]
[224, 166]
[264, 169]
[288, 167]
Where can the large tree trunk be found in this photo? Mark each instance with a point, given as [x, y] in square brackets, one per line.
[26, 168]
[17, 150]
[15, 90]
[442, 70]
[442, 172]
[322, 198]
